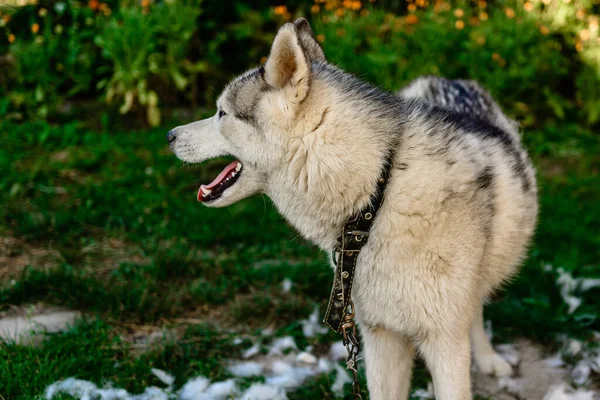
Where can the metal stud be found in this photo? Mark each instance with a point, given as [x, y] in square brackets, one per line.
[348, 254]
[359, 238]
[340, 296]
[368, 216]
[345, 274]
[381, 180]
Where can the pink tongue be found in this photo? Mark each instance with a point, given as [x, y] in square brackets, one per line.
[218, 179]
[222, 175]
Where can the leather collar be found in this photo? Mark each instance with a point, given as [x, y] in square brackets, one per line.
[353, 237]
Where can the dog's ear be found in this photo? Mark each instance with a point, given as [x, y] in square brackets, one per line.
[288, 66]
[313, 50]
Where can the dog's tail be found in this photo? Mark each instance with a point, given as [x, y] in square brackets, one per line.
[460, 96]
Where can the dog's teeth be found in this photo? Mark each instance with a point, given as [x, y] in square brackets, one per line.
[238, 166]
[205, 191]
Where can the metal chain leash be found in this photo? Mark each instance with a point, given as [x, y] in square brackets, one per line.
[352, 347]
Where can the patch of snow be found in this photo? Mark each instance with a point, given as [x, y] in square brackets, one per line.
[286, 285]
[588, 283]
[509, 353]
[338, 351]
[574, 347]
[306, 358]
[261, 391]
[252, 351]
[312, 326]
[422, 394]
[73, 387]
[594, 360]
[512, 385]
[282, 344]
[267, 332]
[193, 388]
[565, 392]
[151, 393]
[581, 372]
[245, 369]
[22, 329]
[324, 366]
[222, 390]
[112, 394]
[281, 367]
[569, 285]
[163, 376]
[341, 379]
[555, 361]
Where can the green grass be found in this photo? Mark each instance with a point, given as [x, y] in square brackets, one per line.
[136, 248]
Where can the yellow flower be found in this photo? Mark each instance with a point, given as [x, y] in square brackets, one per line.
[480, 40]
[340, 32]
[460, 24]
[280, 10]
[340, 12]
[510, 13]
[544, 31]
[320, 38]
[580, 14]
[315, 9]
[411, 19]
[496, 56]
[263, 59]
[584, 34]
[411, 7]
[11, 38]
[422, 3]
[483, 16]
[458, 13]
[474, 21]
[35, 28]
[482, 4]
[579, 47]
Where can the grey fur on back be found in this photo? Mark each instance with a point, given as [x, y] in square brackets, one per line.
[460, 96]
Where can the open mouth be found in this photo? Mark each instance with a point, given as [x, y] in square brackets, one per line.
[222, 182]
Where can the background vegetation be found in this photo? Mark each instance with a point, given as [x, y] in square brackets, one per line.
[106, 218]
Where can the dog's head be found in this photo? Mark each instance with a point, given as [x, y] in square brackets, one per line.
[258, 115]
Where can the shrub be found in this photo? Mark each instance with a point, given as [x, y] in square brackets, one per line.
[503, 50]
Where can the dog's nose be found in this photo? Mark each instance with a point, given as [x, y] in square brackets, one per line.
[171, 136]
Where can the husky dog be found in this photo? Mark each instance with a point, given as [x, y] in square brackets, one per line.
[459, 210]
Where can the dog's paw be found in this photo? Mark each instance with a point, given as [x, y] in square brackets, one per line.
[493, 364]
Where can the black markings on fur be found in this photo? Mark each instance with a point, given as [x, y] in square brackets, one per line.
[246, 111]
[485, 179]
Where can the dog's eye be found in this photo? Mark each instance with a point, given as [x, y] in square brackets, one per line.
[222, 113]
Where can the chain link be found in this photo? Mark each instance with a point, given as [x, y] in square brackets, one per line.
[352, 347]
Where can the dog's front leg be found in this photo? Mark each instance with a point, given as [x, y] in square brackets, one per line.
[389, 360]
[448, 356]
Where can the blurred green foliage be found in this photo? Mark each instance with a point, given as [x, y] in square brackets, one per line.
[138, 57]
